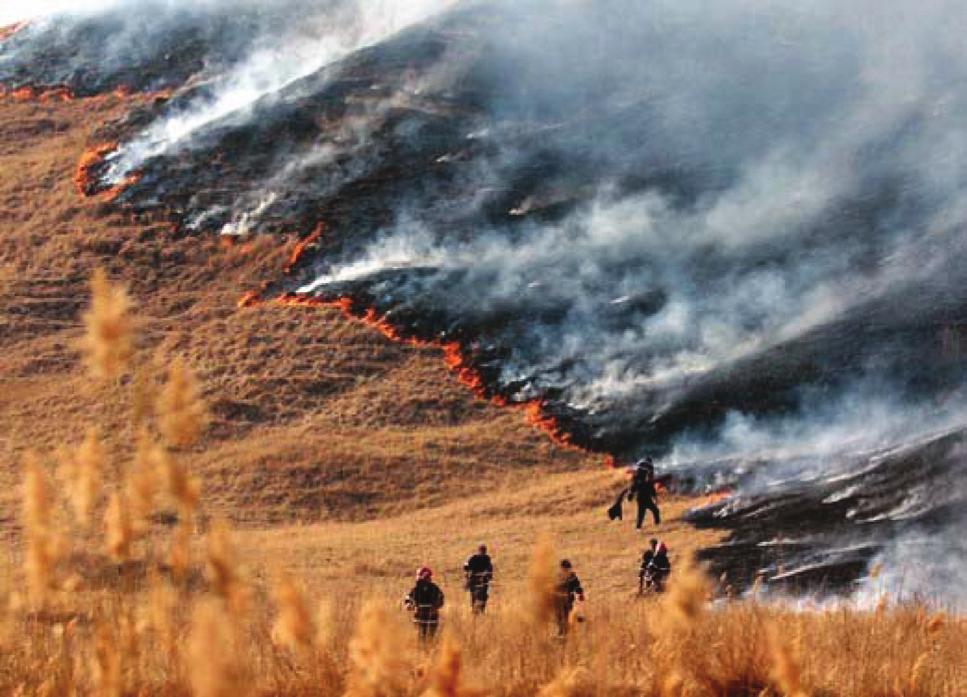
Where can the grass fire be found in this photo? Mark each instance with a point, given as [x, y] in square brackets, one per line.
[319, 319]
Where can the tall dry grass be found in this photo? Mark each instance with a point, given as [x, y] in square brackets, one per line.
[123, 618]
[108, 342]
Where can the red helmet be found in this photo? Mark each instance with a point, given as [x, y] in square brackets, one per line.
[424, 573]
[662, 547]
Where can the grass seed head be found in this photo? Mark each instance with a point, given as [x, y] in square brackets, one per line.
[182, 413]
[446, 678]
[107, 342]
[40, 552]
[85, 486]
[293, 627]
[377, 664]
[570, 682]
[222, 565]
[215, 668]
[542, 580]
[118, 528]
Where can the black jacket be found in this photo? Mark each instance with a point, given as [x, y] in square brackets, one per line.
[646, 560]
[426, 594]
[479, 564]
[569, 587]
[661, 564]
[643, 486]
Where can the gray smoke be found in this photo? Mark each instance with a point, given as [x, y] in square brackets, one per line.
[727, 232]
[817, 158]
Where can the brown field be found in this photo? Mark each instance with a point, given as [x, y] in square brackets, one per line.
[342, 461]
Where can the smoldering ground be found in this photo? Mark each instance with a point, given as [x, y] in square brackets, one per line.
[663, 219]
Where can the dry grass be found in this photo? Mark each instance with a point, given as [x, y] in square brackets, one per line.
[123, 578]
[312, 417]
[130, 623]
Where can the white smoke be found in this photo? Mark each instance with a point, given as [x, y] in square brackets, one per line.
[312, 42]
[818, 159]
[12, 11]
[831, 141]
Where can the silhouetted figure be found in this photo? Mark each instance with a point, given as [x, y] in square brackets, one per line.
[643, 490]
[425, 600]
[568, 590]
[657, 569]
[479, 570]
[644, 577]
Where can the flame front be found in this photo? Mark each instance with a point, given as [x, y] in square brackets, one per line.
[85, 176]
[37, 94]
[85, 180]
[9, 30]
[454, 356]
[303, 246]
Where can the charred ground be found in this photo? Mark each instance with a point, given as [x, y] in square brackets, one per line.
[315, 417]
[437, 128]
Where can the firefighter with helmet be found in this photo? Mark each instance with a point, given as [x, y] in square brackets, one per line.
[425, 600]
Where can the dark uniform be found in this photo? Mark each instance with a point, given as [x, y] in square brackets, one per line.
[655, 569]
[567, 591]
[643, 490]
[643, 570]
[426, 599]
[480, 572]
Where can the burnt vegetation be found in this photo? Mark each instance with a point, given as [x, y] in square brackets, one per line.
[441, 128]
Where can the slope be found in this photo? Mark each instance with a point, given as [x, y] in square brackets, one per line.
[313, 416]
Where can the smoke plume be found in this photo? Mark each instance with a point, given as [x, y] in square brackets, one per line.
[728, 235]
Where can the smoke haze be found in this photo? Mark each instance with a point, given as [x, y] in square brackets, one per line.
[730, 235]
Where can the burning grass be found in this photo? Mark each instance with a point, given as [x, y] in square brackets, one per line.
[198, 619]
[91, 162]
[454, 354]
[10, 29]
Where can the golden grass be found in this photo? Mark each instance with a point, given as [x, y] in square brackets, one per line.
[232, 623]
[107, 342]
[310, 414]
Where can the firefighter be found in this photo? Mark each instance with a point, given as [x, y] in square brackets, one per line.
[643, 489]
[655, 568]
[479, 571]
[425, 601]
[644, 576]
[568, 590]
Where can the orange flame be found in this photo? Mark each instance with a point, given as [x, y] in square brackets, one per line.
[535, 414]
[717, 496]
[63, 93]
[33, 94]
[90, 158]
[454, 356]
[303, 246]
[84, 180]
[9, 30]
[111, 194]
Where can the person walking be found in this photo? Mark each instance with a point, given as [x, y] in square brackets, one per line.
[567, 592]
[644, 577]
[425, 600]
[479, 572]
[643, 490]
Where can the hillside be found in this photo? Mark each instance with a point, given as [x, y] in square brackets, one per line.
[315, 417]
[343, 460]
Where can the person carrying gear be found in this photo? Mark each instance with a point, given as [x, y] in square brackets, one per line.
[643, 489]
[615, 512]
[644, 575]
[425, 601]
[657, 570]
[479, 571]
[568, 590]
